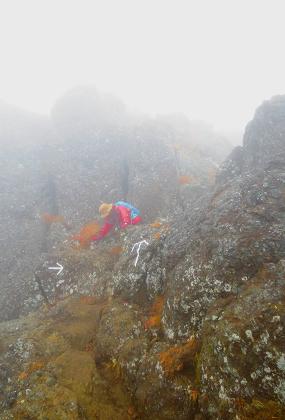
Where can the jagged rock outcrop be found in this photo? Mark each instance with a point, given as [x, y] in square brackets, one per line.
[242, 360]
[264, 136]
[56, 172]
[193, 328]
[221, 275]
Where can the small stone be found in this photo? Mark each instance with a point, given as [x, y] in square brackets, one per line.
[227, 287]
[234, 337]
[276, 318]
[248, 333]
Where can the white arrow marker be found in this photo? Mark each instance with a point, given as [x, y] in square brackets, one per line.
[137, 246]
[59, 268]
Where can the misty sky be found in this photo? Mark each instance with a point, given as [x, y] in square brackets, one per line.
[215, 60]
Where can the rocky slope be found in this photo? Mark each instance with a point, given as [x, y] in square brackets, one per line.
[90, 151]
[195, 329]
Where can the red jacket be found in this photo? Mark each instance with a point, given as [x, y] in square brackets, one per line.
[120, 216]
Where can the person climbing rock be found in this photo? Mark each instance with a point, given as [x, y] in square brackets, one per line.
[120, 214]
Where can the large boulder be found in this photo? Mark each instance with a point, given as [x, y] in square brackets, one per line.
[220, 274]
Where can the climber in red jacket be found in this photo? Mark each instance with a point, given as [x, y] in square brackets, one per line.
[120, 214]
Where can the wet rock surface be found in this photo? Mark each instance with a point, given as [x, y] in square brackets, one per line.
[189, 325]
[55, 173]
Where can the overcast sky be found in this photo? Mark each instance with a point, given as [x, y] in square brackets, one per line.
[215, 60]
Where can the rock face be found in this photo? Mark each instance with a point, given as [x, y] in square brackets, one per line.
[56, 172]
[264, 136]
[192, 326]
[48, 369]
[25, 193]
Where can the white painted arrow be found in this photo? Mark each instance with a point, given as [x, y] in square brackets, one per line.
[59, 268]
[137, 246]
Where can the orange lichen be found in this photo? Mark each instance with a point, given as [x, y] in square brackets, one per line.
[51, 218]
[23, 376]
[154, 319]
[85, 234]
[132, 412]
[157, 235]
[239, 403]
[48, 219]
[88, 300]
[185, 179]
[194, 394]
[33, 367]
[176, 358]
[116, 250]
[156, 224]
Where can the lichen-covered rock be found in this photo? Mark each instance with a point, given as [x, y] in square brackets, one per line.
[89, 152]
[185, 313]
[48, 368]
[224, 256]
[238, 229]
[242, 358]
[264, 135]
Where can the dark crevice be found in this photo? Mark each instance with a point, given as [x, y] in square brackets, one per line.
[125, 178]
[49, 194]
[41, 289]
[49, 204]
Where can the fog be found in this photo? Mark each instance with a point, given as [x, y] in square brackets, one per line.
[212, 61]
[142, 200]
